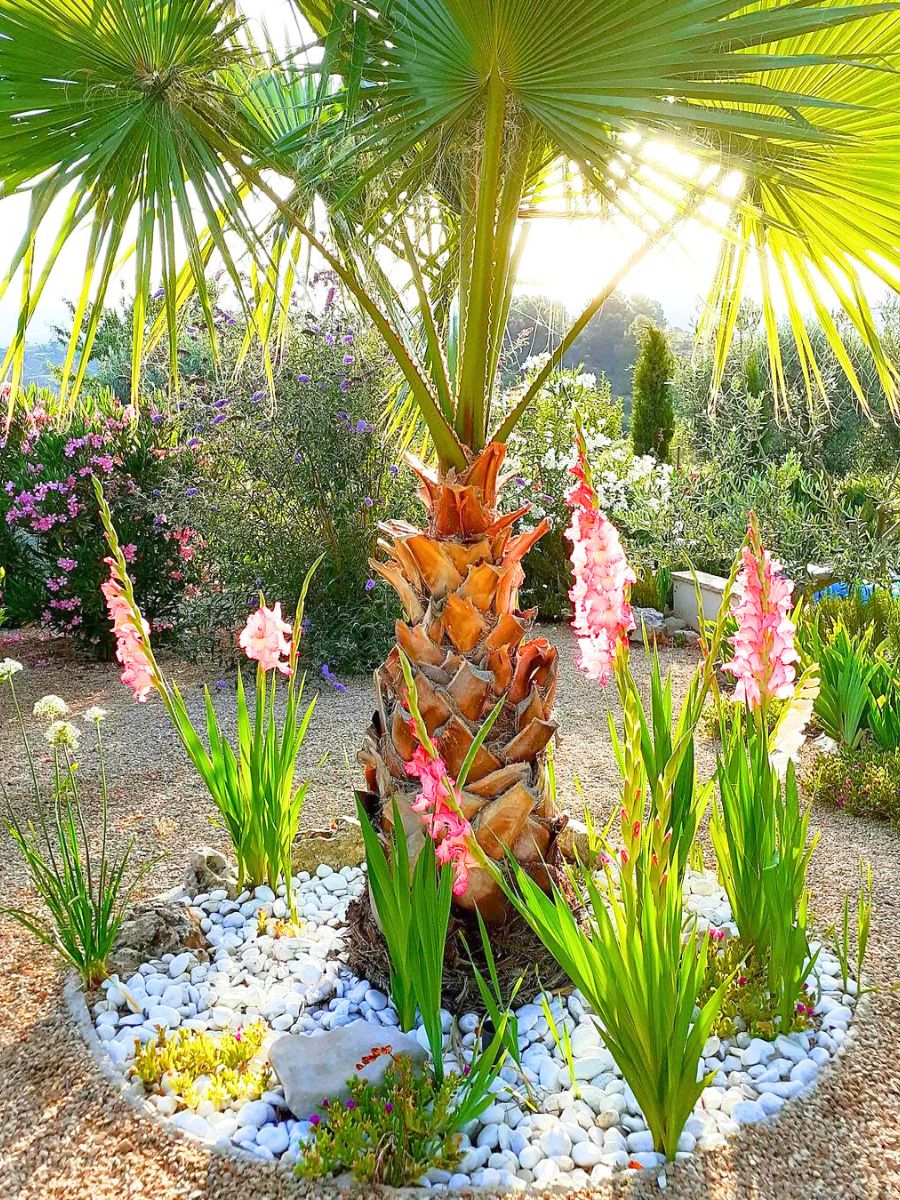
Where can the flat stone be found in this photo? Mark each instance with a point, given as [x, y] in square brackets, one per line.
[586, 1154]
[641, 1142]
[591, 1065]
[163, 1014]
[758, 1051]
[805, 1072]
[274, 1138]
[181, 963]
[311, 1068]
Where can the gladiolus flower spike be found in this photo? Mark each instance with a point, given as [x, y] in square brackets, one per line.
[603, 578]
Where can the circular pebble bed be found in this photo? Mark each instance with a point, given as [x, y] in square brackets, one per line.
[554, 1131]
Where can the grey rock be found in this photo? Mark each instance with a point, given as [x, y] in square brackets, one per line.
[152, 929]
[209, 871]
[340, 846]
[650, 620]
[313, 1067]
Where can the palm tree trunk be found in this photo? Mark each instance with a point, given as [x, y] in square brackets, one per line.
[468, 645]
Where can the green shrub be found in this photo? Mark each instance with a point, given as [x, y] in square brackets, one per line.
[652, 414]
[392, 1134]
[653, 589]
[271, 485]
[742, 423]
[859, 692]
[881, 611]
[865, 781]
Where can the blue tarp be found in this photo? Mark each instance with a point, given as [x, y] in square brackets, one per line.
[866, 590]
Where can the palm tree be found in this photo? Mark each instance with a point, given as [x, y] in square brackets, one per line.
[433, 133]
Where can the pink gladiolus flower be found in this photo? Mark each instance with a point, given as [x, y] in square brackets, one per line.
[448, 828]
[138, 671]
[764, 651]
[266, 639]
[602, 581]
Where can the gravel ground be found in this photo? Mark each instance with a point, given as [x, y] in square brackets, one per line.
[66, 1132]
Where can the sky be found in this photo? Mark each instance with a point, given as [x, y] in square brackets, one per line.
[569, 260]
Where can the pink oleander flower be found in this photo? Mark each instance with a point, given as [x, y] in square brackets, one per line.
[764, 651]
[266, 639]
[602, 577]
[439, 801]
[138, 671]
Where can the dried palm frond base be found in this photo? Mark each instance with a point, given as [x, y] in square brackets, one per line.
[516, 950]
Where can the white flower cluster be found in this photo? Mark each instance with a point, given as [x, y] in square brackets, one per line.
[625, 483]
[50, 708]
[62, 733]
[8, 668]
[534, 363]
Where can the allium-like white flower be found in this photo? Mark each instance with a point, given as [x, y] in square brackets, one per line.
[50, 708]
[94, 715]
[8, 668]
[62, 733]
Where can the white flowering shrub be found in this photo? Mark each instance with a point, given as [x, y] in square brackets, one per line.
[635, 490]
[541, 455]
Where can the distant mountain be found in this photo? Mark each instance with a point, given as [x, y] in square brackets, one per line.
[40, 361]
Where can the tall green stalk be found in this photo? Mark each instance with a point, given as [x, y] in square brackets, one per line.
[84, 892]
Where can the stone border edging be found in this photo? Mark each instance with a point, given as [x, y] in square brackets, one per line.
[76, 1005]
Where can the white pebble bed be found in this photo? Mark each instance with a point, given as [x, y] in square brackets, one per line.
[566, 1132]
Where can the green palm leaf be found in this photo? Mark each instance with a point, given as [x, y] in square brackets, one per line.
[122, 106]
[429, 128]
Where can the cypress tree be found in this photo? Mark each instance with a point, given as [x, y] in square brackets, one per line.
[652, 413]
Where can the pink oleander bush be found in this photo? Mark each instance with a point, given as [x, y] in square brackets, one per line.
[50, 535]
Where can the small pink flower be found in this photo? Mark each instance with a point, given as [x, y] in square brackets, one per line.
[266, 639]
[448, 828]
